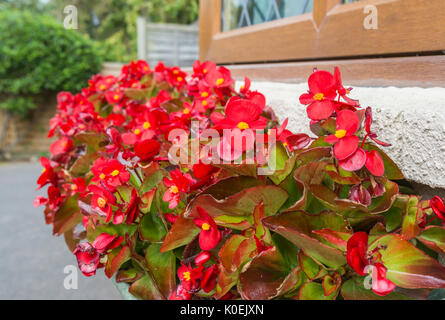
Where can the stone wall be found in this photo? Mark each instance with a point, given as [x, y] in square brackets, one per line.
[411, 119]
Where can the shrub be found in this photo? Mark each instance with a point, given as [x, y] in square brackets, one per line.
[38, 55]
[131, 186]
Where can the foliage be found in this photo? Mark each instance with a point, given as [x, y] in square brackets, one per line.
[38, 55]
[328, 222]
[112, 23]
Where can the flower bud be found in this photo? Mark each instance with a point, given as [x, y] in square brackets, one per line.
[202, 258]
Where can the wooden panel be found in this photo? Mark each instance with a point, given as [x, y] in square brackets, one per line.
[404, 26]
[427, 71]
[209, 24]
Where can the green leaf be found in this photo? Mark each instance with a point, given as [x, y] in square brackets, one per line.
[437, 294]
[67, 217]
[116, 259]
[262, 277]
[311, 268]
[283, 164]
[145, 289]
[409, 267]
[434, 238]
[228, 250]
[354, 289]
[163, 267]
[314, 291]
[151, 228]
[182, 232]
[410, 226]
[297, 227]
[287, 249]
[341, 176]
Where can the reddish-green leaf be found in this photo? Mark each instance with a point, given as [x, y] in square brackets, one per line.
[163, 268]
[434, 238]
[145, 289]
[314, 291]
[354, 289]
[409, 267]
[115, 260]
[331, 283]
[67, 217]
[297, 227]
[181, 233]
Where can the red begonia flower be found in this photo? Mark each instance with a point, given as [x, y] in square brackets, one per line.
[360, 194]
[208, 281]
[202, 258]
[110, 172]
[105, 242]
[180, 294]
[322, 90]
[189, 276]
[178, 183]
[219, 78]
[147, 149]
[47, 175]
[345, 140]
[102, 200]
[209, 236]
[201, 69]
[357, 247]
[114, 97]
[438, 206]
[342, 91]
[380, 284]
[87, 258]
[374, 163]
[354, 162]
[132, 211]
[61, 146]
[40, 201]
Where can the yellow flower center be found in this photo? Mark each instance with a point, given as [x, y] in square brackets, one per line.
[147, 125]
[319, 96]
[74, 187]
[102, 176]
[285, 144]
[205, 103]
[175, 72]
[44, 170]
[204, 71]
[205, 226]
[179, 79]
[340, 133]
[187, 276]
[115, 173]
[116, 97]
[243, 125]
[174, 189]
[101, 202]
[186, 111]
[219, 81]
[205, 94]
[137, 131]
[102, 87]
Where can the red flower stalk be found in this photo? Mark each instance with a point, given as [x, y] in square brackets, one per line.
[438, 206]
[209, 235]
[322, 90]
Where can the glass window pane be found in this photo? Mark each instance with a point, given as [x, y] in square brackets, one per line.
[241, 13]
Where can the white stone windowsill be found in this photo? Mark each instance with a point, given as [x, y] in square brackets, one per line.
[411, 119]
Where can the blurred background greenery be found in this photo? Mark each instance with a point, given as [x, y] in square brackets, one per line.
[111, 24]
[38, 56]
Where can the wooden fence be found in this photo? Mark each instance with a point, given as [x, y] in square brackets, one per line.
[172, 44]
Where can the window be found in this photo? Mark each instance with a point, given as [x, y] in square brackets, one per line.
[300, 32]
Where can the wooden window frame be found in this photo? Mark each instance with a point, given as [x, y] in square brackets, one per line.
[333, 34]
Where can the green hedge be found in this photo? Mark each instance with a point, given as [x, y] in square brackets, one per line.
[38, 55]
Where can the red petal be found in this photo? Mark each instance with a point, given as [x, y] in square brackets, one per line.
[354, 162]
[346, 147]
[320, 110]
[306, 98]
[438, 207]
[321, 82]
[347, 120]
[209, 239]
[380, 284]
[374, 163]
[241, 110]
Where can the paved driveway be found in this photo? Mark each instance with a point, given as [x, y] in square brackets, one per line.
[32, 260]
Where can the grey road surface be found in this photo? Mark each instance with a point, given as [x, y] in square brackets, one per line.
[32, 260]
